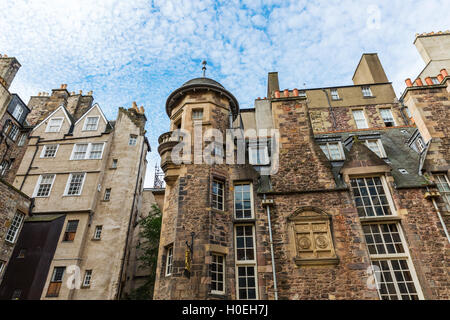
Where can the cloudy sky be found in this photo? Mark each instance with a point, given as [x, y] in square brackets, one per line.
[142, 50]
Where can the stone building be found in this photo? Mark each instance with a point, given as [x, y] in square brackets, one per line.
[343, 194]
[85, 174]
[15, 206]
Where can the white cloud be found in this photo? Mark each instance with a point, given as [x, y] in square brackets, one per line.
[142, 50]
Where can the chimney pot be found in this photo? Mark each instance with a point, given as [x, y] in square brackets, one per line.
[286, 92]
[5, 56]
[440, 77]
[295, 92]
[81, 92]
[419, 82]
[444, 73]
[429, 81]
[277, 94]
[142, 109]
[408, 82]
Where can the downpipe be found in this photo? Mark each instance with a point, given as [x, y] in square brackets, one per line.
[275, 287]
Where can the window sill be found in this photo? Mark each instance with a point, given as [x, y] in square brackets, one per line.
[104, 200]
[380, 218]
[247, 220]
[368, 97]
[218, 210]
[85, 287]
[219, 295]
[316, 262]
[338, 99]
[112, 168]
[95, 239]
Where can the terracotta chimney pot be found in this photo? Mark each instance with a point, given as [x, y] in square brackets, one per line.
[429, 81]
[440, 77]
[419, 82]
[295, 92]
[286, 93]
[444, 73]
[142, 109]
[408, 82]
[277, 94]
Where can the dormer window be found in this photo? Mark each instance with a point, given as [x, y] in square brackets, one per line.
[376, 146]
[18, 111]
[54, 125]
[420, 145]
[91, 123]
[333, 150]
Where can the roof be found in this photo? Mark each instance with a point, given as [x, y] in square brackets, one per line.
[201, 84]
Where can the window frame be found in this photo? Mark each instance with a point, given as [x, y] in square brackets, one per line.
[334, 94]
[88, 277]
[15, 227]
[67, 234]
[341, 150]
[107, 193]
[85, 124]
[255, 270]
[252, 214]
[216, 180]
[87, 154]
[258, 148]
[391, 114]
[366, 89]
[445, 195]
[47, 129]
[132, 138]
[18, 107]
[22, 139]
[387, 194]
[36, 188]
[196, 110]
[379, 145]
[395, 256]
[98, 232]
[168, 268]
[55, 285]
[66, 190]
[2, 266]
[363, 116]
[221, 292]
[13, 132]
[4, 167]
[44, 151]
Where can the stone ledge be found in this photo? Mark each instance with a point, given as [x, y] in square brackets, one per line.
[316, 262]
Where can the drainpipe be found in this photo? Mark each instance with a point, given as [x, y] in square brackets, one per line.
[271, 251]
[331, 109]
[31, 163]
[405, 120]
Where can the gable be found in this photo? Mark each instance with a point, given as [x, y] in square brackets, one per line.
[60, 112]
[80, 128]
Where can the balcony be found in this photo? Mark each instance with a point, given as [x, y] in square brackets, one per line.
[167, 141]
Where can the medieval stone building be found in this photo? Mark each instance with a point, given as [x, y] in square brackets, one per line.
[348, 199]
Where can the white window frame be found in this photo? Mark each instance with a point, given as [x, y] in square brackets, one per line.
[4, 167]
[87, 155]
[132, 140]
[52, 279]
[68, 184]
[87, 278]
[44, 150]
[246, 263]
[380, 147]
[444, 194]
[251, 200]
[391, 116]
[98, 232]
[387, 193]
[47, 129]
[357, 120]
[22, 139]
[217, 272]
[14, 227]
[107, 195]
[36, 188]
[397, 256]
[169, 261]
[334, 94]
[223, 195]
[420, 144]
[255, 151]
[328, 153]
[18, 111]
[86, 123]
[366, 91]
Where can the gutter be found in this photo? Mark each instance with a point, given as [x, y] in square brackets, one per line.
[119, 290]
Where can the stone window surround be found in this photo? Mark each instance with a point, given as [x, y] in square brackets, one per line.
[395, 121]
[243, 182]
[87, 155]
[222, 179]
[364, 114]
[38, 183]
[87, 278]
[85, 124]
[224, 278]
[69, 181]
[47, 129]
[246, 263]
[168, 265]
